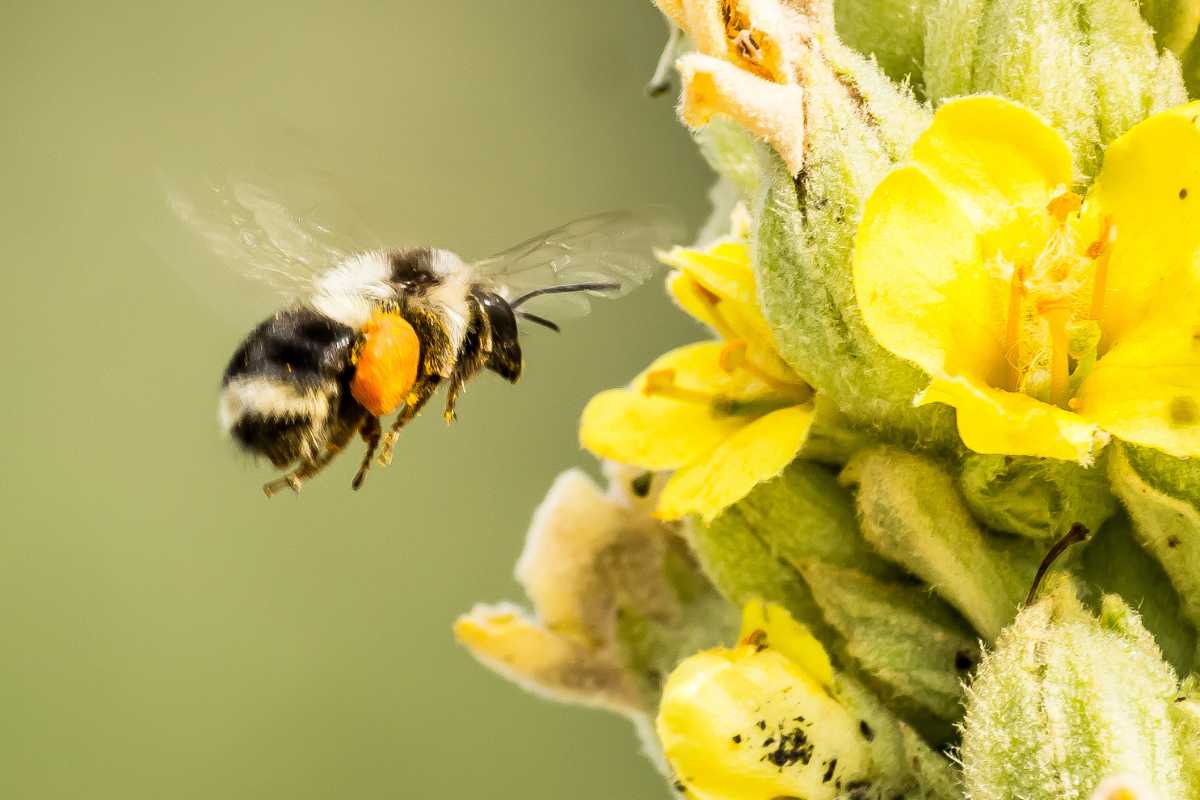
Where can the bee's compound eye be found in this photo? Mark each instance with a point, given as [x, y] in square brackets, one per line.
[386, 368]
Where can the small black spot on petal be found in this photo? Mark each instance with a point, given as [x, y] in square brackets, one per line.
[1172, 541]
[737, 738]
[866, 731]
[1183, 193]
[1182, 410]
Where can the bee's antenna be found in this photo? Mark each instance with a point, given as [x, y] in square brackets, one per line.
[564, 288]
[545, 323]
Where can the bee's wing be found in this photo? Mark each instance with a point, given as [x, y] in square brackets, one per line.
[282, 230]
[616, 247]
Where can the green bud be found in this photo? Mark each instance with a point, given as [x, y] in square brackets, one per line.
[905, 639]
[912, 513]
[892, 31]
[743, 568]
[1114, 563]
[804, 515]
[1067, 700]
[1038, 498]
[1157, 493]
[1091, 68]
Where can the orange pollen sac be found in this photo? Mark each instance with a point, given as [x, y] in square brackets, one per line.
[386, 368]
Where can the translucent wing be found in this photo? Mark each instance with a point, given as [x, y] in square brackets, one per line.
[615, 248]
[283, 231]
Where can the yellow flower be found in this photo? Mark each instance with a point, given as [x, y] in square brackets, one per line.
[1046, 319]
[760, 720]
[725, 415]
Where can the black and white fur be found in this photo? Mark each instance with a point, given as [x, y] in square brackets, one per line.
[286, 392]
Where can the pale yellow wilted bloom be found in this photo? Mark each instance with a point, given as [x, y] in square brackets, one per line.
[1046, 319]
[725, 415]
[744, 67]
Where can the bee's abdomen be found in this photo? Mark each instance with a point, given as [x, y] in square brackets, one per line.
[284, 381]
[297, 346]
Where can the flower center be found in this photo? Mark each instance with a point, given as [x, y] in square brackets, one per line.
[1055, 304]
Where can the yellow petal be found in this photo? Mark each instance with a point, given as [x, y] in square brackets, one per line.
[994, 157]
[659, 432]
[724, 269]
[921, 284]
[745, 725]
[773, 112]
[994, 421]
[1146, 388]
[770, 625]
[1150, 186]
[755, 453]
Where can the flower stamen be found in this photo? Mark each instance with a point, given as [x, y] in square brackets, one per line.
[1057, 313]
[735, 356]
[1012, 335]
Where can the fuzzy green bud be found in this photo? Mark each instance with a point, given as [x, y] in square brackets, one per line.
[905, 639]
[912, 513]
[892, 31]
[1068, 700]
[1037, 498]
[1091, 68]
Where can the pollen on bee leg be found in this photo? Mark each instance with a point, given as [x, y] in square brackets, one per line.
[386, 367]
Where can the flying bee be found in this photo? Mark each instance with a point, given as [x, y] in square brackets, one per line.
[379, 331]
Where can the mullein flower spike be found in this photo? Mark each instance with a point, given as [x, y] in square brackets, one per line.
[941, 447]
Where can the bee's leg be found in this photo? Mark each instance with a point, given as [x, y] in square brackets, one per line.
[296, 478]
[421, 392]
[340, 436]
[472, 355]
[371, 433]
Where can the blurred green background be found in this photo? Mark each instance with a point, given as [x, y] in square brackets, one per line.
[168, 632]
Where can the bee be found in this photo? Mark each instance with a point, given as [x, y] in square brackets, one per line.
[376, 332]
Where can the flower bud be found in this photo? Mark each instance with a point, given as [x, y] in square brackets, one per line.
[892, 31]
[902, 637]
[912, 513]
[1067, 700]
[1091, 68]
[1037, 498]
[1158, 492]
